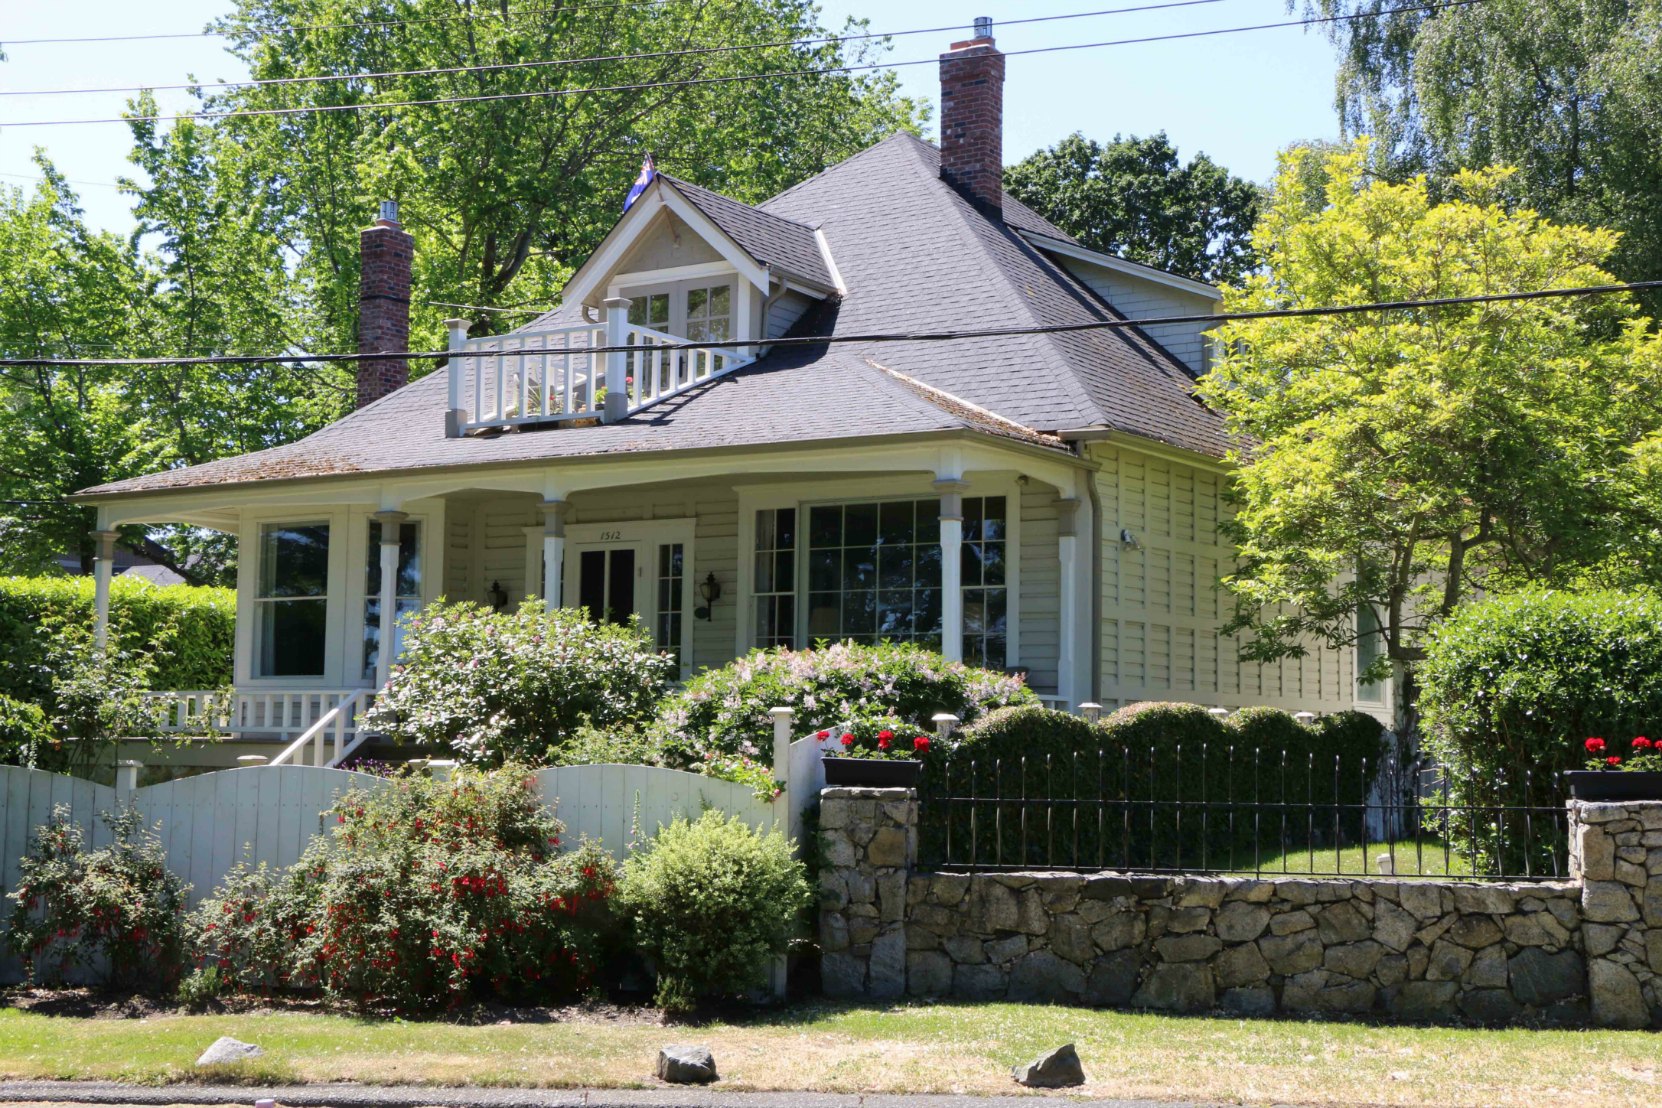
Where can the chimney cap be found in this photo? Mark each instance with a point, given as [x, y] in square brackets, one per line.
[983, 26]
[389, 212]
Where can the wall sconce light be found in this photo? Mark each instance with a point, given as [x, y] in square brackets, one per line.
[710, 590]
[497, 595]
[1129, 540]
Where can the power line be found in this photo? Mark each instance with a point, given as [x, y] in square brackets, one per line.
[487, 308]
[602, 58]
[728, 79]
[70, 180]
[869, 339]
[580, 4]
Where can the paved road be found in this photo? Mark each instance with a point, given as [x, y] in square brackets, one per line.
[110, 1093]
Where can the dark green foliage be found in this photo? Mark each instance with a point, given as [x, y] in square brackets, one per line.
[724, 712]
[710, 902]
[1154, 785]
[23, 732]
[187, 632]
[116, 911]
[1512, 687]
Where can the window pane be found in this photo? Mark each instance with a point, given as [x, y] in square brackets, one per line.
[896, 522]
[894, 567]
[294, 560]
[992, 563]
[824, 616]
[825, 527]
[860, 525]
[697, 299]
[721, 301]
[292, 637]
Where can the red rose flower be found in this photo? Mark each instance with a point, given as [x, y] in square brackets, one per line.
[823, 735]
[848, 740]
[881, 735]
[885, 740]
[921, 744]
[1594, 745]
[1642, 743]
[1613, 760]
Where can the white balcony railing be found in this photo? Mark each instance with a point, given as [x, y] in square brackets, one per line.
[278, 715]
[555, 375]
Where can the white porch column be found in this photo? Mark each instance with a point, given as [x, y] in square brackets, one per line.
[1067, 551]
[392, 526]
[617, 362]
[951, 490]
[553, 548]
[103, 570]
[455, 370]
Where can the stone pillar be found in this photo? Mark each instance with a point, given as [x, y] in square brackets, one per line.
[1616, 853]
[869, 842]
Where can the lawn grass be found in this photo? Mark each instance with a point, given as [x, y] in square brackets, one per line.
[1425, 859]
[936, 1048]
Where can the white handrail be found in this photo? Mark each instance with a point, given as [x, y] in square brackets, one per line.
[332, 725]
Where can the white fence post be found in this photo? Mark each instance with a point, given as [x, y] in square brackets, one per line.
[455, 419]
[617, 362]
[944, 723]
[1092, 711]
[126, 781]
[782, 803]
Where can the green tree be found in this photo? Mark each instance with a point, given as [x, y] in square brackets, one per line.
[1399, 461]
[1135, 198]
[1569, 93]
[505, 197]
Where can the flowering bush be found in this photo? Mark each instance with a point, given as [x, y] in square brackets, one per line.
[425, 893]
[743, 771]
[725, 711]
[23, 732]
[515, 686]
[710, 902]
[1643, 754]
[115, 911]
[882, 737]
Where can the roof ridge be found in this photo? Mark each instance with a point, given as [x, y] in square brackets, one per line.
[836, 166]
[691, 186]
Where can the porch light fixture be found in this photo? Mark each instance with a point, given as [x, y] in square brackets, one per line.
[710, 590]
[497, 595]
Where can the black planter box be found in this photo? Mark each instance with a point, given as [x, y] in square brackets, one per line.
[1597, 784]
[876, 773]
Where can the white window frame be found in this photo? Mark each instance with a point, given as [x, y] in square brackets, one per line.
[805, 495]
[676, 283]
[646, 536]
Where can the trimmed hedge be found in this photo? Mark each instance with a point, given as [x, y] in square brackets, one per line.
[189, 631]
[1204, 777]
[1510, 688]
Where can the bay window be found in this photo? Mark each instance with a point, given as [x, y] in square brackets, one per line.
[291, 608]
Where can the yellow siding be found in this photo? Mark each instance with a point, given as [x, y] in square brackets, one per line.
[1162, 607]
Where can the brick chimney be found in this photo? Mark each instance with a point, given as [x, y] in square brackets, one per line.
[385, 250]
[972, 118]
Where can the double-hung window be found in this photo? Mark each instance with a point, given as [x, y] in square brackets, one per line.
[291, 608]
[408, 590]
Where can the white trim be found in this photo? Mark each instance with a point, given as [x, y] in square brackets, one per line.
[830, 262]
[1121, 265]
[636, 279]
[645, 536]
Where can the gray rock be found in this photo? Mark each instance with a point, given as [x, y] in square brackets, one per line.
[1032, 918]
[226, 1049]
[1185, 987]
[1205, 892]
[1421, 901]
[1070, 938]
[1187, 948]
[1617, 1000]
[1059, 1069]
[1113, 979]
[1608, 902]
[1393, 926]
[978, 982]
[992, 907]
[1392, 970]
[1240, 922]
[1041, 976]
[1119, 931]
[1290, 922]
[1006, 949]
[1474, 932]
[1601, 939]
[1242, 965]
[1185, 920]
[888, 964]
[887, 847]
[1259, 1001]
[1342, 923]
[1448, 962]
[1290, 954]
[1491, 899]
[1488, 969]
[680, 1064]
[928, 973]
[1536, 929]
[1420, 1000]
[1597, 854]
[842, 974]
[964, 950]
[1489, 1006]
[1354, 959]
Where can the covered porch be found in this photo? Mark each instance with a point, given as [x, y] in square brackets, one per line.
[971, 546]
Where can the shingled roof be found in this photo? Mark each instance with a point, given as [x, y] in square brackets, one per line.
[913, 255]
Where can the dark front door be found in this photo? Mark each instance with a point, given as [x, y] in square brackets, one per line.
[606, 583]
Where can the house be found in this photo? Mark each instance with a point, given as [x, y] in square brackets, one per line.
[666, 444]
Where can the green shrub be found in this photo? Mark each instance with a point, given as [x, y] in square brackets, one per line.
[117, 911]
[189, 632]
[495, 687]
[1510, 688]
[99, 696]
[426, 893]
[725, 711]
[24, 733]
[710, 902]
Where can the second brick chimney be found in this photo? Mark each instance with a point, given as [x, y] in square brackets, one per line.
[385, 252]
[972, 118]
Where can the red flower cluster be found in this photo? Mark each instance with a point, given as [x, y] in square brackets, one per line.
[885, 739]
[921, 744]
[1595, 746]
[1642, 743]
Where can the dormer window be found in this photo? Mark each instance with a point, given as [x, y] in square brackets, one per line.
[709, 313]
[650, 310]
[698, 310]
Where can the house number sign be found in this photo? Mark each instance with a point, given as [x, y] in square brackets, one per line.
[611, 536]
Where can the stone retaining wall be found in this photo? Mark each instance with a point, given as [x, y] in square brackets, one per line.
[1585, 950]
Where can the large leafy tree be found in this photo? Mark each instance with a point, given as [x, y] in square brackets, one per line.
[1399, 461]
[506, 196]
[1568, 93]
[1136, 198]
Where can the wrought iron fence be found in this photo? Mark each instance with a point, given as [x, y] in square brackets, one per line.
[1242, 811]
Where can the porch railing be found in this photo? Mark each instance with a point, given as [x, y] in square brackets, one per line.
[333, 738]
[555, 375]
[280, 715]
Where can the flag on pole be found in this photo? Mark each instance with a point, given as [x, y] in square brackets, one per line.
[648, 171]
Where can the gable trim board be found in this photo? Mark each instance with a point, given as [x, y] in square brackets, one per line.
[1122, 265]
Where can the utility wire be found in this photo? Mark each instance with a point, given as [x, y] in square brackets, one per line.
[540, 64]
[348, 26]
[487, 308]
[868, 339]
[728, 79]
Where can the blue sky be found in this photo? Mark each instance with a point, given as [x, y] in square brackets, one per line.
[1238, 97]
